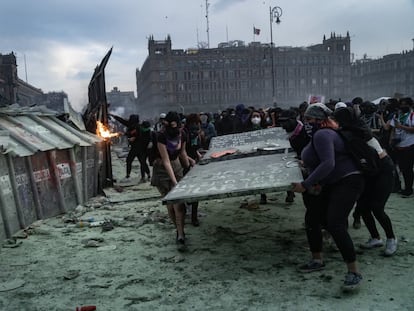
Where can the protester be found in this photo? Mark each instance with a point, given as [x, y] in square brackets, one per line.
[208, 130]
[168, 170]
[403, 127]
[377, 188]
[387, 110]
[226, 124]
[335, 175]
[133, 132]
[143, 142]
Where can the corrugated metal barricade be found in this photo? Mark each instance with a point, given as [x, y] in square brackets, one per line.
[47, 167]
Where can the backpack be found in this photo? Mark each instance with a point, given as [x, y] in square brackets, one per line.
[364, 156]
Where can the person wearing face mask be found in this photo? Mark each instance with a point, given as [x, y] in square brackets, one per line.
[333, 173]
[169, 160]
[403, 128]
[255, 121]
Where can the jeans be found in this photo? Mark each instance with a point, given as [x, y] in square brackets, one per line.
[330, 210]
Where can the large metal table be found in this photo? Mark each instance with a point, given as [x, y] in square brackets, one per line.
[261, 164]
[237, 177]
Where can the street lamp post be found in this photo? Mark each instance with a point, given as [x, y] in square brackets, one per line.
[275, 14]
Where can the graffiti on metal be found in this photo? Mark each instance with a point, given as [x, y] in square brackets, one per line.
[79, 167]
[237, 177]
[41, 175]
[247, 144]
[5, 185]
[22, 179]
[259, 138]
[64, 170]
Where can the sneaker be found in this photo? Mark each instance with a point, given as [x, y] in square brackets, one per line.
[406, 193]
[352, 281]
[372, 243]
[390, 247]
[311, 266]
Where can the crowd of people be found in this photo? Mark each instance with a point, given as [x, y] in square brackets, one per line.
[333, 184]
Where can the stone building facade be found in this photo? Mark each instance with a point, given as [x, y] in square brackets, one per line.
[122, 103]
[8, 79]
[14, 90]
[387, 76]
[195, 80]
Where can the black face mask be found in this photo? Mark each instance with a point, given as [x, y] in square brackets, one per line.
[172, 131]
[311, 128]
[405, 109]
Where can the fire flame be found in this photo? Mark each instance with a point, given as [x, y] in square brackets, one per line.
[103, 131]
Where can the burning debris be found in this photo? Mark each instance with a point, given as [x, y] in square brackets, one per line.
[104, 132]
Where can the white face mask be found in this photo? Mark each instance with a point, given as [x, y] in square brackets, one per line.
[256, 120]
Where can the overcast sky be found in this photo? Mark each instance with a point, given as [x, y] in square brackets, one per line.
[63, 41]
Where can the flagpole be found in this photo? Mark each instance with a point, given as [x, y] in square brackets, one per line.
[254, 33]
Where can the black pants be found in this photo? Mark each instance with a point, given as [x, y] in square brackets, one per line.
[405, 161]
[132, 154]
[330, 210]
[142, 158]
[375, 196]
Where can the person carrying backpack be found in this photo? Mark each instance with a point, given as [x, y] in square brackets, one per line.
[333, 172]
[378, 187]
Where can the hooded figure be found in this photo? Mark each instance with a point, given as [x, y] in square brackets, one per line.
[348, 121]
